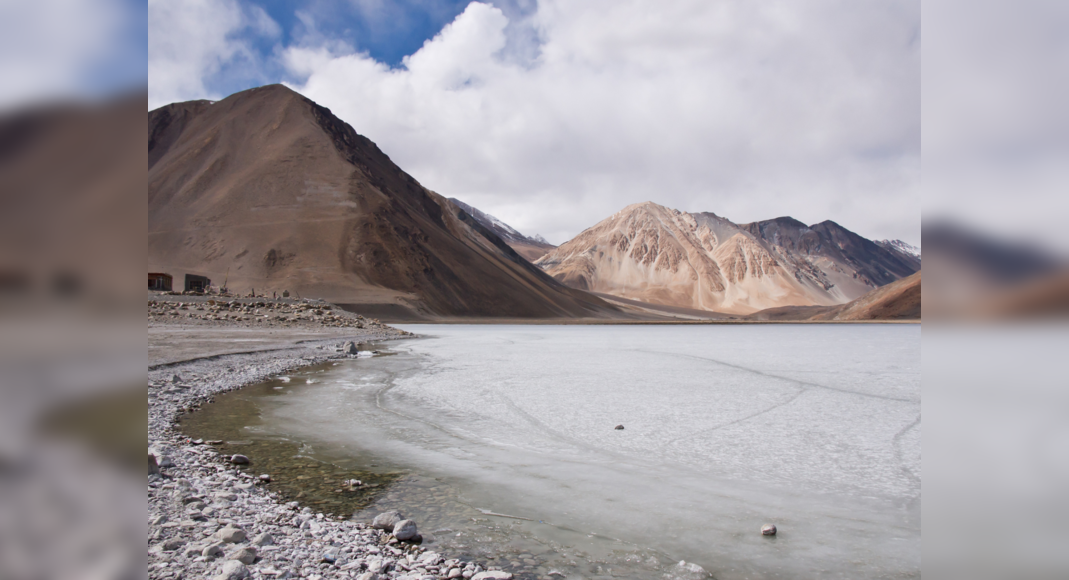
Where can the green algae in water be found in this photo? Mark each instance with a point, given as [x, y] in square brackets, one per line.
[235, 418]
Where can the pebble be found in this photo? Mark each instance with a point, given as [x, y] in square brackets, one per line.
[768, 530]
[492, 575]
[239, 459]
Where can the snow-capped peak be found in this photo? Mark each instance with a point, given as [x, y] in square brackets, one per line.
[901, 246]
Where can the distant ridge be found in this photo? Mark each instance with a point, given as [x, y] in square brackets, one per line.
[531, 248]
[659, 255]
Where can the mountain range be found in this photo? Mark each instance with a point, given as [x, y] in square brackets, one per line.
[655, 254]
[267, 190]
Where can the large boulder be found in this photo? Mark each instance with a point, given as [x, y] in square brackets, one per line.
[405, 530]
[387, 520]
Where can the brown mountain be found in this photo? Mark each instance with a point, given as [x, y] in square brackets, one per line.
[656, 254]
[899, 300]
[266, 189]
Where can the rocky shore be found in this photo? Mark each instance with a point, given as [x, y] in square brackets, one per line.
[208, 518]
[258, 312]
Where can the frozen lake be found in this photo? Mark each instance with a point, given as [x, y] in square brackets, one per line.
[815, 428]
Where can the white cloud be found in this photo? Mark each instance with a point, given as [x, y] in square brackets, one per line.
[572, 110]
[192, 40]
[751, 110]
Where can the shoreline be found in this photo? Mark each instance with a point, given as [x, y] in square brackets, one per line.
[199, 501]
[611, 322]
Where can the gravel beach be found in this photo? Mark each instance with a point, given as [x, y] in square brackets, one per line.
[209, 519]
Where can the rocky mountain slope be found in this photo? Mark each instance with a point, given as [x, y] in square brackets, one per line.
[656, 254]
[267, 190]
[531, 248]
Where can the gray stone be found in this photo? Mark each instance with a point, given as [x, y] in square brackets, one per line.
[387, 520]
[239, 460]
[230, 534]
[405, 530]
[619, 427]
[232, 570]
[264, 539]
[768, 530]
[246, 555]
[173, 544]
[492, 575]
[368, 576]
[454, 573]
[212, 550]
[349, 348]
[153, 467]
[164, 461]
[265, 478]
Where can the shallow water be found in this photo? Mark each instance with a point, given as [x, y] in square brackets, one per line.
[813, 428]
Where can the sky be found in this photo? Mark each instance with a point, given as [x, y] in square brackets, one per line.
[553, 115]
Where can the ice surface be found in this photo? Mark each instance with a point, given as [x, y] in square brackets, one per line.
[813, 428]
